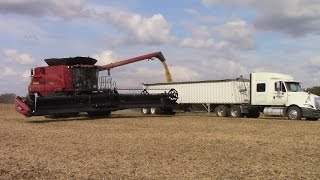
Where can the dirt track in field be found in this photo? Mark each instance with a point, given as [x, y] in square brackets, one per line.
[131, 146]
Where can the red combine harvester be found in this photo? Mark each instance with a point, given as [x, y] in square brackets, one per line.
[68, 86]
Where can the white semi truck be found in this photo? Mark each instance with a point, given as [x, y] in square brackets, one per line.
[272, 94]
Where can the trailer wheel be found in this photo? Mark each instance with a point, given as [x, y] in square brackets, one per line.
[222, 111]
[155, 110]
[145, 111]
[235, 112]
[294, 113]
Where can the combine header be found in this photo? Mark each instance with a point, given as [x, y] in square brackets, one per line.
[68, 86]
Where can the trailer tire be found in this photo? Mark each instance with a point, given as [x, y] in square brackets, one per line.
[145, 111]
[155, 110]
[235, 112]
[294, 113]
[222, 111]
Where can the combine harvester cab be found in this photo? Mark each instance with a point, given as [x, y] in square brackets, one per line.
[68, 86]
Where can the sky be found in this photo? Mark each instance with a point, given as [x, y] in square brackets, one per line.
[201, 40]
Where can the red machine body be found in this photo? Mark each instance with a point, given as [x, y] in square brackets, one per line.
[68, 86]
[78, 74]
[51, 79]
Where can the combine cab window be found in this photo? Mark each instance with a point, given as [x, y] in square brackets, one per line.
[85, 78]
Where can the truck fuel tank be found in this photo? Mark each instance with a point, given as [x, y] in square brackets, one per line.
[273, 111]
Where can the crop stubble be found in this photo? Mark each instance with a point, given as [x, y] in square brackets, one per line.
[131, 146]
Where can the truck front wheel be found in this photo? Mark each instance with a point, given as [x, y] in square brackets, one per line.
[294, 113]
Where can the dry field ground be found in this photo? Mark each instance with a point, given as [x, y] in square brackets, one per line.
[131, 146]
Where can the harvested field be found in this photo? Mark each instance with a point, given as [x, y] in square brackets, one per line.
[131, 146]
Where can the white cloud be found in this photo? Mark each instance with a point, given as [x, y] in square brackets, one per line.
[7, 71]
[40, 8]
[199, 16]
[26, 74]
[236, 34]
[155, 74]
[315, 60]
[182, 73]
[203, 43]
[239, 33]
[147, 30]
[152, 30]
[21, 58]
[105, 57]
[294, 17]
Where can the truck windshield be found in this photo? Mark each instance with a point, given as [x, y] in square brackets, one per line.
[293, 86]
[85, 78]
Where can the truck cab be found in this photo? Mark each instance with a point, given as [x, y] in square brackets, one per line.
[281, 95]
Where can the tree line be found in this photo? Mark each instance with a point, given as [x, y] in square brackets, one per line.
[7, 98]
[314, 90]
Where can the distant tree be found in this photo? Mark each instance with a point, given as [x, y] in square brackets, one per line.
[7, 98]
[314, 90]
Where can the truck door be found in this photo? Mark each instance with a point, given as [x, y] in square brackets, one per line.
[280, 95]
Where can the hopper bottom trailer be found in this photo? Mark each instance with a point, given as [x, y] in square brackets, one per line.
[272, 94]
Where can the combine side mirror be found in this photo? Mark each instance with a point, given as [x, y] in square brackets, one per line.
[31, 72]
